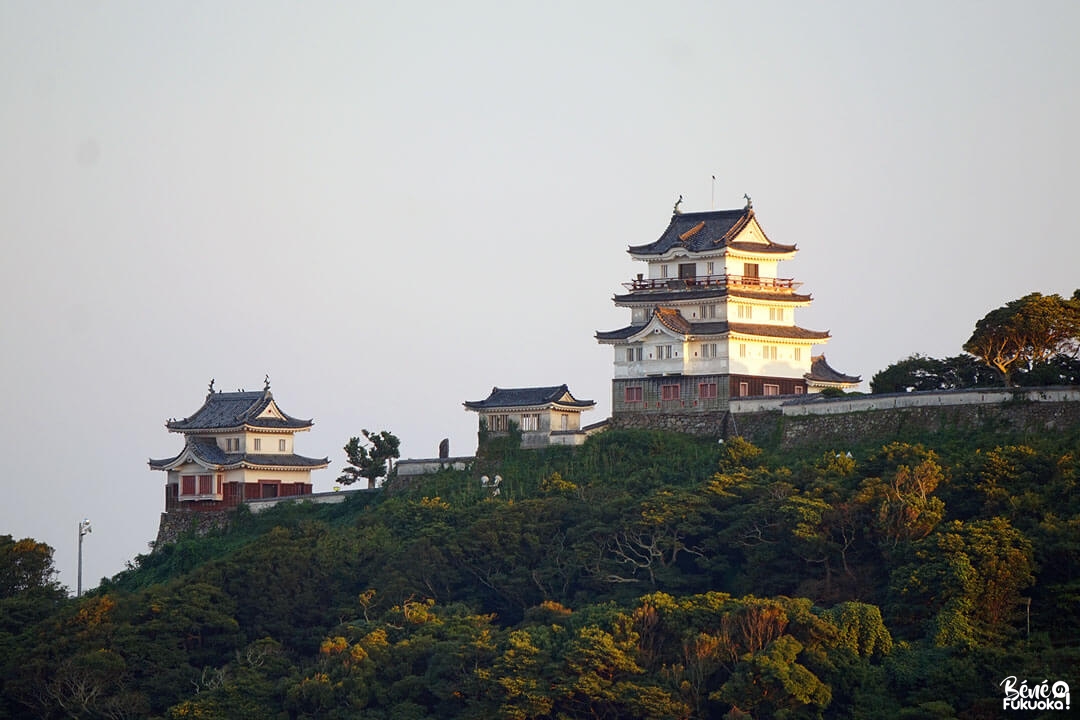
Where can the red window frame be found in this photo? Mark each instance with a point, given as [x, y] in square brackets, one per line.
[669, 392]
[187, 485]
[772, 389]
[744, 389]
[706, 390]
[633, 394]
[205, 486]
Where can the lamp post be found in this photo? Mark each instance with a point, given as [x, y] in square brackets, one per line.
[84, 529]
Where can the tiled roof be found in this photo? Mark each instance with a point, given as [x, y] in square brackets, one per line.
[209, 452]
[770, 296]
[780, 331]
[620, 334]
[821, 371]
[524, 397]
[662, 296]
[672, 319]
[223, 410]
[704, 231]
[715, 327]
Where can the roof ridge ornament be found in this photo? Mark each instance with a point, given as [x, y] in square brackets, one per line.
[749, 202]
[675, 210]
[210, 390]
[692, 232]
[266, 383]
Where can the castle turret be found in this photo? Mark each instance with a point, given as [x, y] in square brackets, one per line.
[238, 446]
[712, 319]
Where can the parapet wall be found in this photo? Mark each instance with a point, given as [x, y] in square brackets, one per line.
[814, 419]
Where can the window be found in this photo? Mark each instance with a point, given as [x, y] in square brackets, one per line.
[232, 444]
[798, 389]
[709, 268]
[768, 352]
[530, 422]
[564, 421]
[708, 311]
[187, 485]
[258, 444]
[707, 390]
[776, 314]
[633, 353]
[663, 352]
[687, 271]
[663, 271]
[497, 423]
[772, 389]
[281, 445]
[669, 392]
[745, 312]
[708, 350]
[217, 486]
[744, 389]
[750, 272]
[204, 484]
[633, 394]
[798, 353]
[742, 350]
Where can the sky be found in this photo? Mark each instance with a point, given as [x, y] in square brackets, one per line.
[390, 208]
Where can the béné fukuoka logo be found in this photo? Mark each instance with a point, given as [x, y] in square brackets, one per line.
[1041, 696]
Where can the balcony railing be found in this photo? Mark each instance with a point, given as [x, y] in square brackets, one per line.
[703, 281]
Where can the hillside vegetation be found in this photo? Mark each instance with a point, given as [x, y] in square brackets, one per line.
[643, 575]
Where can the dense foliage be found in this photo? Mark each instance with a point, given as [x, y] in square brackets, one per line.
[643, 575]
[1027, 332]
[1032, 341]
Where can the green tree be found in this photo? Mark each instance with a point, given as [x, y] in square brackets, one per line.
[26, 566]
[1025, 332]
[969, 576]
[369, 457]
[920, 372]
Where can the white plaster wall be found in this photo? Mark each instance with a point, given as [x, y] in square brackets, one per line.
[932, 399]
[269, 442]
[755, 363]
[733, 265]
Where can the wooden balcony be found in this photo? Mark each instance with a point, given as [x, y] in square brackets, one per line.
[744, 282]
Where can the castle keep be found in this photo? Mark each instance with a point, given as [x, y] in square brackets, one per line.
[712, 321]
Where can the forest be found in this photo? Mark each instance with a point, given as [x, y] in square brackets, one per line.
[641, 575]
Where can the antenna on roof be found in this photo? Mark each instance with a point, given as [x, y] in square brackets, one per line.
[712, 194]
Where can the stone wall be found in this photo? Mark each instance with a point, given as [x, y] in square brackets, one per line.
[179, 523]
[878, 418]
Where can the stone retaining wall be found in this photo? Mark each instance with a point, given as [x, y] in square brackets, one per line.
[877, 417]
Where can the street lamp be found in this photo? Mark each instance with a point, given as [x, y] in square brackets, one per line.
[84, 529]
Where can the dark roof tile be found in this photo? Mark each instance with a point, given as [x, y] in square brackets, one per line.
[823, 372]
[222, 410]
[523, 397]
[704, 231]
[209, 452]
[779, 331]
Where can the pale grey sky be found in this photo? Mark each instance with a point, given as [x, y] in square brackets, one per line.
[392, 207]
